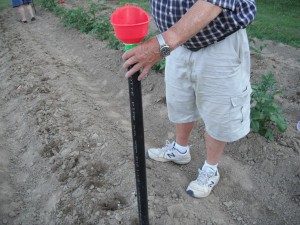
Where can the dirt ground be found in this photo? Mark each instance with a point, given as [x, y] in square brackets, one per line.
[66, 153]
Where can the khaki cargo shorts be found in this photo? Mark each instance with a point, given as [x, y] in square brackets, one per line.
[213, 84]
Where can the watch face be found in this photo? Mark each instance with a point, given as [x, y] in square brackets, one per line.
[165, 51]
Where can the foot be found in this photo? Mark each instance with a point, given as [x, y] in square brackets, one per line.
[23, 21]
[169, 153]
[33, 19]
[203, 185]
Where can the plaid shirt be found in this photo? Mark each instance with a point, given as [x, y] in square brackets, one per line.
[236, 14]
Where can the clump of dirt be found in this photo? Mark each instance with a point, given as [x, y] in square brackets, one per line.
[66, 147]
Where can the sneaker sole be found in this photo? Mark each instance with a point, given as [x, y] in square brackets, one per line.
[166, 160]
[190, 192]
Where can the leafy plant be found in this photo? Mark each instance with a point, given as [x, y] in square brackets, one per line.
[159, 66]
[114, 43]
[266, 115]
[256, 50]
[91, 21]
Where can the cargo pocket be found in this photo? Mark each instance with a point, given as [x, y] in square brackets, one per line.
[240, 112]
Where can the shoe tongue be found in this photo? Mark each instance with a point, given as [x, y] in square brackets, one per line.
[204, 174]
[209, 171]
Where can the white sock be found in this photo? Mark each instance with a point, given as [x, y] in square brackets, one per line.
[214, 167]
[181, 149]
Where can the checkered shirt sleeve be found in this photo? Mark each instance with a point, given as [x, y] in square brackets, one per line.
[236, 14]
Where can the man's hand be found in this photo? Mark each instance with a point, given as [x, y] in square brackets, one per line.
[143, 57]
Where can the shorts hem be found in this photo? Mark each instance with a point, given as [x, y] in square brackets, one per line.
[232, 138]
[184, 121]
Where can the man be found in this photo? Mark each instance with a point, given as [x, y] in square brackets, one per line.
[207, 76]
[21, 5]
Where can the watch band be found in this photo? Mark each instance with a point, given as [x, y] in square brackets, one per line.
[164, 48]
[160, 40]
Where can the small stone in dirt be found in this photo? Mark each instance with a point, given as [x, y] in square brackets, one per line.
[118, 217]
[78, 192]
[239, 218]
[12, 214]
[176, 211]
[268, 167]
[4, 221]
[95, 136]
[59, 215]
[228, 204]
[174, 195]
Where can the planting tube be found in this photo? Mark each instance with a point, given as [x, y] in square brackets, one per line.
[136, 109]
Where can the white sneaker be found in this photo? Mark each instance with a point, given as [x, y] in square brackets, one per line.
[169, 153]
[203, 185]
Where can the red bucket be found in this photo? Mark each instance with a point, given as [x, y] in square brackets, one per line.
[130, 24]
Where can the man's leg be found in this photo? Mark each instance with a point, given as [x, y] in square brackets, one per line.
[30, 11]
[214, 149]
[208, 174]
[177, 151]
[22, 13]
[183, 131]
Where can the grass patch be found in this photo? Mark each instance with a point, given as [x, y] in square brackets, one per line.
[4, 4]
[278, 21]
[145, 4]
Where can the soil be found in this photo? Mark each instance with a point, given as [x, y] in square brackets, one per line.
[66, 143]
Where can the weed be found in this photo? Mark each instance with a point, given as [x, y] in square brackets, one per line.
[87, 21]
[159, 66]
[257, 50]
[265, 113]
[114, 43]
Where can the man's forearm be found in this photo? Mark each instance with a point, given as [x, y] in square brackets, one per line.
[196, 18]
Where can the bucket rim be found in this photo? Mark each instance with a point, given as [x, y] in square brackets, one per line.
[129, 25]
[126, 25]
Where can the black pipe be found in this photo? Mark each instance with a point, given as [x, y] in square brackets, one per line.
[136, 109]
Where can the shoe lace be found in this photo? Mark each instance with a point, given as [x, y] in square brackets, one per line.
[204, 176]
[169, 146]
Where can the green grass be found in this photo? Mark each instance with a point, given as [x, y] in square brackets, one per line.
[278, 21]
[4, 4]
[145, 4]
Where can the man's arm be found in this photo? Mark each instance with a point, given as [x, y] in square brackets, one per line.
[196, 18]
[147, 54]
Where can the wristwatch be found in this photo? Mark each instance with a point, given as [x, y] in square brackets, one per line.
[164, 48]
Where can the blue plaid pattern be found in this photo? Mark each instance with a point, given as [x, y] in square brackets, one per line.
[236, 14]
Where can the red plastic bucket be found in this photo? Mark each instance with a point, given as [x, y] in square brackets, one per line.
[130, 24]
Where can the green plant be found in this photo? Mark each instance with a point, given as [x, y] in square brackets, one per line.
[91, 21]
[257, 50]
[266, 115]
[114, 43]
[159, 66]
[49, 5]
